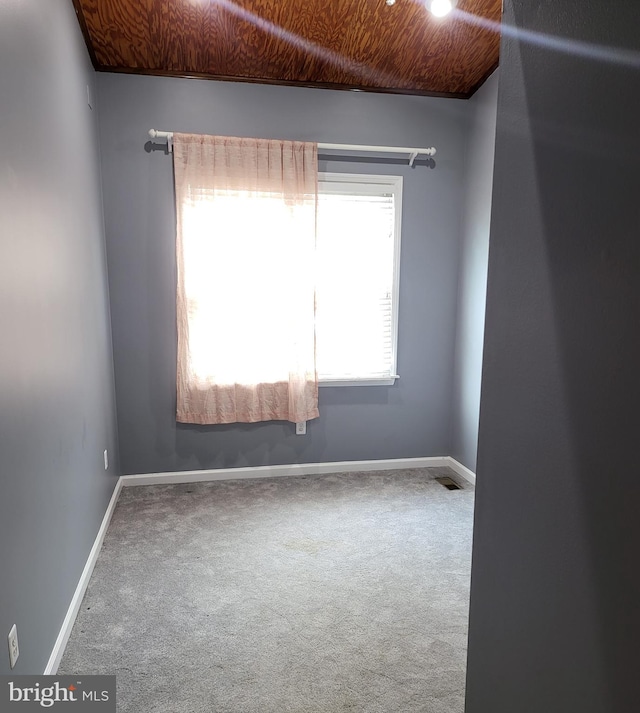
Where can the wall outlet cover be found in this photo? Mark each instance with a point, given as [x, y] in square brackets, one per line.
[14, 651]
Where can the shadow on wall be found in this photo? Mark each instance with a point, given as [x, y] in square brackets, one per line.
[555, 578]
[589, 184]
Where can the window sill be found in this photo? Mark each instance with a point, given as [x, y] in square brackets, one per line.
[387, 381]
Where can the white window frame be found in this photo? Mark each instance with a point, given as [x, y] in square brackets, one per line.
[394, 183]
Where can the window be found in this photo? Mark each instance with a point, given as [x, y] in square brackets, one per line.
[358, 255]
[286, 279]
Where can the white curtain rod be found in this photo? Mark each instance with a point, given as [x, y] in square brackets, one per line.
[413, 152]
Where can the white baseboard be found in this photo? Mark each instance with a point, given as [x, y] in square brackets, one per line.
[274, 471]
[76, 601]
[461, 470]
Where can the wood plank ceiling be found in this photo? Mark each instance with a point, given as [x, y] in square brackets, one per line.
[340, 44]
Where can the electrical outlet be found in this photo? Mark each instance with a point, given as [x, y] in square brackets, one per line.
[106, 460]
[14, 651]
[301, 428]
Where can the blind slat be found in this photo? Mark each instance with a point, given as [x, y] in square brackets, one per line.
[355, 333]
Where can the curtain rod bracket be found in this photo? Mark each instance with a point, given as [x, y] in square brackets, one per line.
[166, 135]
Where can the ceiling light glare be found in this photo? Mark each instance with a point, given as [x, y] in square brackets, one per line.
[440, 8]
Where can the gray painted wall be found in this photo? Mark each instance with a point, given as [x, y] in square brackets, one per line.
[472, 287]
[412, 418]
[555, 621]
[57, 410]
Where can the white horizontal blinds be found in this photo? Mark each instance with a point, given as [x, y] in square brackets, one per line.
[355, 242]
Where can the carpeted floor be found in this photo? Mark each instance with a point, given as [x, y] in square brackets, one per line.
[328, 594]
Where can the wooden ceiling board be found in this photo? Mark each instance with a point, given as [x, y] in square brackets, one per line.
[342, 44]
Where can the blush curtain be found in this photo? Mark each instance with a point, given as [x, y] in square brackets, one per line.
[245, 243]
